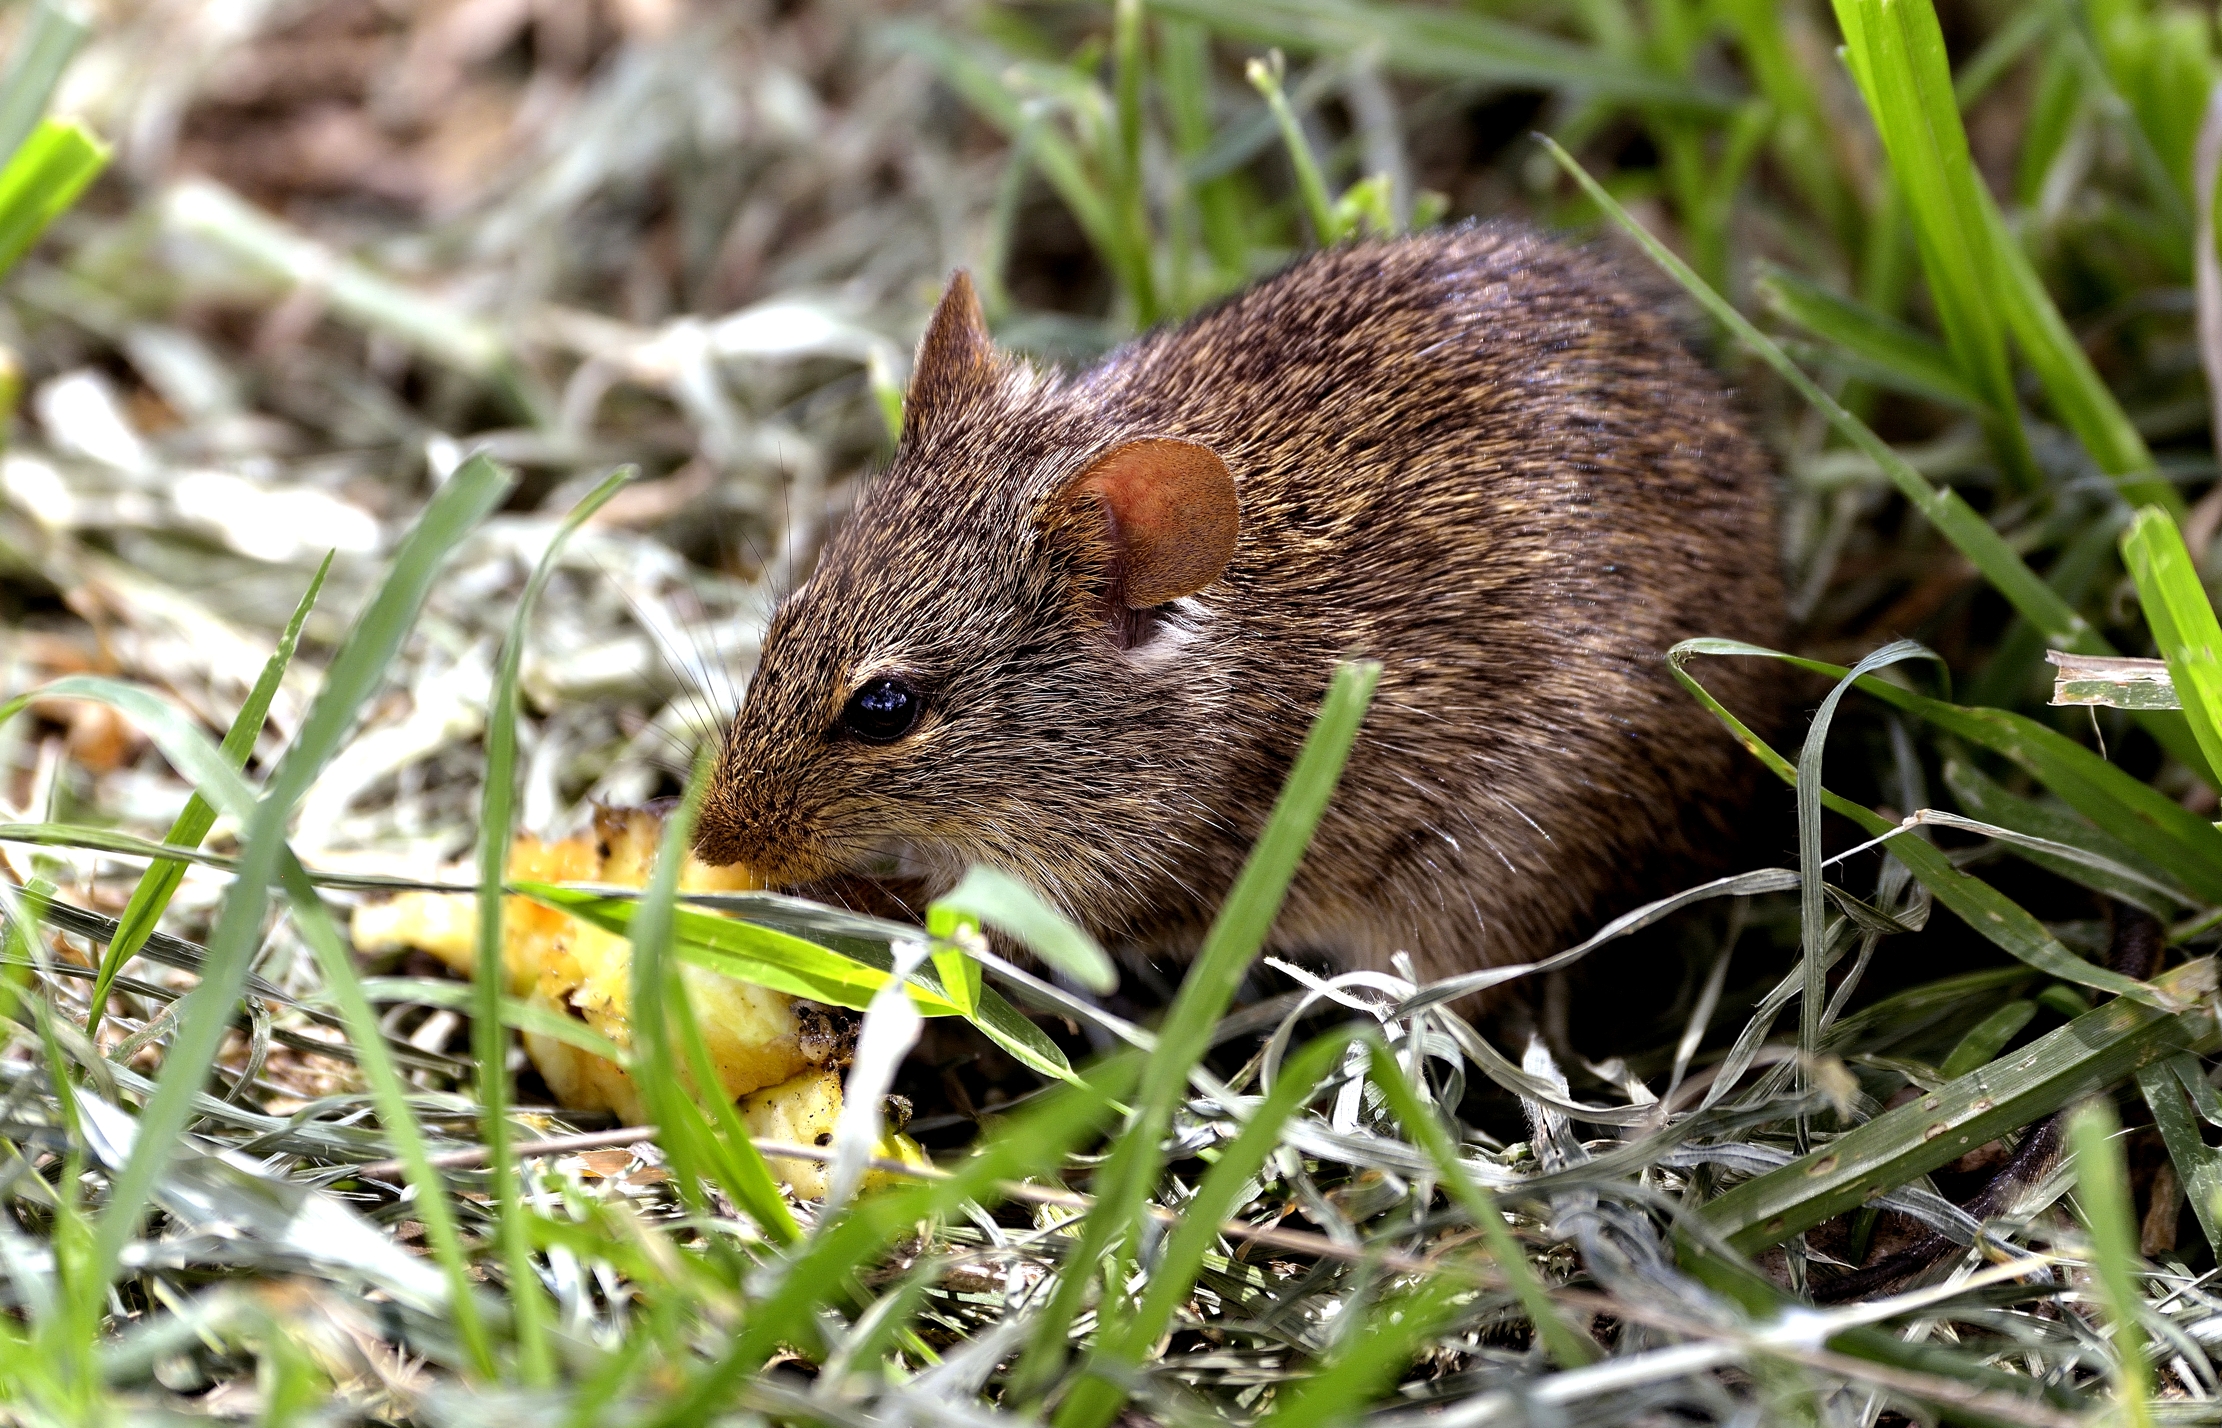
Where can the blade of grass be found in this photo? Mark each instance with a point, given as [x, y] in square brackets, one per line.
[50, 40]
[355, 672]
[769, 957]
[654, 978]
[734, 1159]
[1034, 1142]
[1265, 77]
[1969, 533]
[2182, 621]
[157, 884]
[1981, 906]
[2095, 1050]
[1812, 914]
[433, 1207]
[1370, 1361]
[1123, 1184]
[1097, 1398]
[1896, 53]
[44, 178]
[2198, 1165]
[1567, 1346]
[1444, 44]
[1904, 356]
[2102, 1189]
[1984, 798]
[497, 823]
[1011, 907]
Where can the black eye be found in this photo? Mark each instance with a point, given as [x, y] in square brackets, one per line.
[882, 711]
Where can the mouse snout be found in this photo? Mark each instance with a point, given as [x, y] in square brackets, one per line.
[740, 824]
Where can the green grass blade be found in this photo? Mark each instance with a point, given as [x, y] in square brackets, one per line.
[1034, 1142]
[2097, 1049]
[1896, 53]
[2182, 620]
[1457, 44]
[1123, 1185]
[980, 84]
[1982, 907]
[497, 819]
[1016, 910]
[2177, 842]
[1983, 797]
[1567, 1346]
[2102, 1190]
[2079, 396]
[2198, 1165]
[768, 957]
[733, 1157]
[354, 674]
[1889, 349]
[160, 880]
[1097, 1397]
[1370, 1361]
[655, 984]
[43, 179]
[1265, 77]
[1812, 912]
[1987, 1038]
[390, 1094]
[55, 32]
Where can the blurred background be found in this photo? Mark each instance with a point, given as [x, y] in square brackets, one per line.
[343, 243]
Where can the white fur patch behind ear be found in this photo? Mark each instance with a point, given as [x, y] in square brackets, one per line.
[1173, 514]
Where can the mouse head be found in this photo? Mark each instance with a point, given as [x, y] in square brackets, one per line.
[1001, 656]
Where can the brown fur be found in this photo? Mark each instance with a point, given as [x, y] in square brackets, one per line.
[1470, 455]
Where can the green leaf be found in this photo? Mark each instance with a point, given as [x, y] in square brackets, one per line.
[43, 180]
[1016, 910]
[1900, 355]
[1981, 906]
[1986, 799]
[2198, 1165]
[2182, 620]
[160, 880]
[497, 817]
[1896, 53]
[2102, 1190]
[357, 670]
[2095, 1050]
[786, 963]
[1124, 1346]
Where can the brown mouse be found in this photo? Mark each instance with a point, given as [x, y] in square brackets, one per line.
[1079, 628]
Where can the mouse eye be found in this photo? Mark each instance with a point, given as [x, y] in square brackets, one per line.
[882, 711]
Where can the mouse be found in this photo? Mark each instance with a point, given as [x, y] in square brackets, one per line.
[1078, 628]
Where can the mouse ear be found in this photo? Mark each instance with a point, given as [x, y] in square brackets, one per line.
[955, 358]
[1171, 513]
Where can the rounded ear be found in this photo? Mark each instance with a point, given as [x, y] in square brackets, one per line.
[1171, 513]
[956, 357]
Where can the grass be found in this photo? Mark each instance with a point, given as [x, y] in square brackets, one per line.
[1952, 266]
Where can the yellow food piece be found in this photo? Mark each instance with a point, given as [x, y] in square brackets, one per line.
[803, 1112]
[755, 1035]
